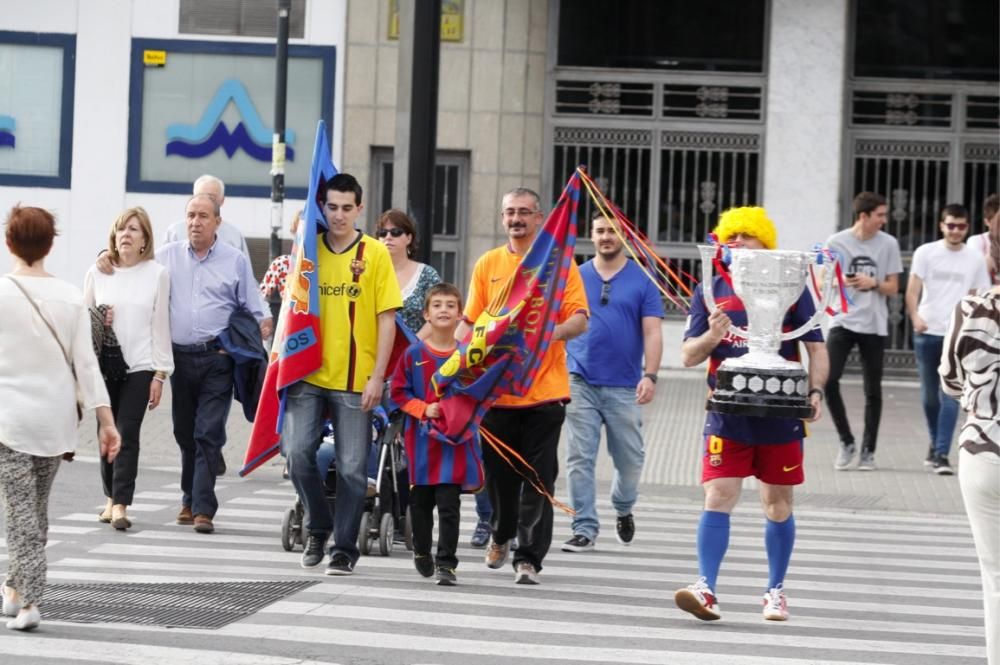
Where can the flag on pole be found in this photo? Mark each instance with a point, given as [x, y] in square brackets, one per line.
[502, 352]
[297, 350]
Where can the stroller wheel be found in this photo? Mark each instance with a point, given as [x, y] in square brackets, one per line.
[385, 532]
[288, 535]
[364, 534]
[408, 531]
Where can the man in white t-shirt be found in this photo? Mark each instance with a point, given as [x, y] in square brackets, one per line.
[227, 233]
[942, 273]
[981, 241]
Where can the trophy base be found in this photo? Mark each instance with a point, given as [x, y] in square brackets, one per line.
[762, 393]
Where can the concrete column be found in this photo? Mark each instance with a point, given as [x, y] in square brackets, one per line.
[806, 84]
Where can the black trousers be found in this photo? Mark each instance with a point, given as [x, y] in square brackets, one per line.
[518, 509]
[202, 393]
[129, 400]
[871, 348]
[423, 499]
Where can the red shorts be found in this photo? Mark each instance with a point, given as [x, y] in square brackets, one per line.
[774, 463]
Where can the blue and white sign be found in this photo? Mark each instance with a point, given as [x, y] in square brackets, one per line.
[207, 107]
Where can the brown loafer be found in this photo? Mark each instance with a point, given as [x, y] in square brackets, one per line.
[185, 517]
[119, 520]
[203, 524]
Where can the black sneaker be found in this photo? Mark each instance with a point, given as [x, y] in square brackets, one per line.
[314, 552]
[625, 529]
[340, 564]
[424, 563]
[941, 466]
[578, 543]
[445, 576]
[929, 460]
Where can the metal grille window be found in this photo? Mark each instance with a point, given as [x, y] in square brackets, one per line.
[672, 161]
[245, 18]
[449, 206]
[923, 143]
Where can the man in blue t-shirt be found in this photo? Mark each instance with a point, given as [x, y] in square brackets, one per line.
[737, 446]
[609, 380]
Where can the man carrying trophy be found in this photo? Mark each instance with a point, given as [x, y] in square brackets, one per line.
[748, 325]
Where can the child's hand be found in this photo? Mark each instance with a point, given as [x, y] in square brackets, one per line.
[433, 410]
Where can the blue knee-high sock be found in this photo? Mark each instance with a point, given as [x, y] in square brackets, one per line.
[713, 541]
[779, 538]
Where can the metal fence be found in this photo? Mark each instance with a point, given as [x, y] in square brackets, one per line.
[922, 145]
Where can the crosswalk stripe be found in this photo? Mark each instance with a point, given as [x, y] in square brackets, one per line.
[96, 651]
[859, 584]
[538, 651]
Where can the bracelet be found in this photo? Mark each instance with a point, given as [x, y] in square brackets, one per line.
[651, 376]
[159, 378]
[816, 391]
[160, 374]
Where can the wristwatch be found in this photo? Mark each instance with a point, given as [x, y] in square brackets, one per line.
[650, 376]
[817, 391]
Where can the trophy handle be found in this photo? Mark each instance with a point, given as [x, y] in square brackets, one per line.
[824, 298]
[707, 257]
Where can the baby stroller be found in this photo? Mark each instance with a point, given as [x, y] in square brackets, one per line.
[380, 505]
[384, 515]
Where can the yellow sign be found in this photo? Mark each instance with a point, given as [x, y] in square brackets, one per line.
[452, 17]
[154, 58]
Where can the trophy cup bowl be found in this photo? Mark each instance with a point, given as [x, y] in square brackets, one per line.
[762, 383]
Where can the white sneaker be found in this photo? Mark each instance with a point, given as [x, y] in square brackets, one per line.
[27, 619]
[10, 606]
[775, 604]
[699, 600]
[844, 457]
[526, 574]
[867, 461]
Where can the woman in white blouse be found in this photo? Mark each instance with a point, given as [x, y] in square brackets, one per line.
[970, 370]
[46, 327]
[138, 296]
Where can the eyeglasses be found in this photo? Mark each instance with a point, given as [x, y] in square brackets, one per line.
[952, 226]
[519, 212]
[605, 292]
[394, 232]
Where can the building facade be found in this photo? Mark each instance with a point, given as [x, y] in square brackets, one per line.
[679, 110]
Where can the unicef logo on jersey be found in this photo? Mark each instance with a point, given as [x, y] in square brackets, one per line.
[210, 133]
[7, 124]
[352, 291]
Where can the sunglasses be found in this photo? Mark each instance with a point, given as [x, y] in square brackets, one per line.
[952, 226]
[394, 232]
[605, 292]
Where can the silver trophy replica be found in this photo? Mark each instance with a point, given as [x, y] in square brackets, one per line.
[761, 382]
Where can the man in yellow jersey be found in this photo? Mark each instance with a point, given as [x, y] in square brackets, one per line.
[529, 423]
[358, 299]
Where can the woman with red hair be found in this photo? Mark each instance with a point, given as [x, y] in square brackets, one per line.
[48, 371]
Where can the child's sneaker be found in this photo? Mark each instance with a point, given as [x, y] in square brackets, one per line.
[445, 576]
[699, 600]
[775, 605]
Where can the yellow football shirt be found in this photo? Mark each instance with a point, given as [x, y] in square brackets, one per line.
[355, 286]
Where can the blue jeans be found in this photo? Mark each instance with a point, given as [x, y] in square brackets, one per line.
[940, 410]
[302, 436]
[202, 392]
[484, 511]
[616, 409]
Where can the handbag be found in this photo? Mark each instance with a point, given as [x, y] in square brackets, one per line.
[72, 367]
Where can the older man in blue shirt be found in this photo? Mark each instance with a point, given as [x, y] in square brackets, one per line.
[209, 280]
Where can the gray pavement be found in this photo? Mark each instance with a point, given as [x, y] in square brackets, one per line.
[673, 423]
[884, 570]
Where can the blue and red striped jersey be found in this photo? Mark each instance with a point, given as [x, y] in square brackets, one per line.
[432, 458]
